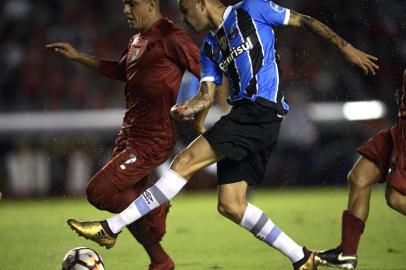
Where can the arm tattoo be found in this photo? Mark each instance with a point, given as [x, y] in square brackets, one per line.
[204, 89]
[323, 31]
[202, 100]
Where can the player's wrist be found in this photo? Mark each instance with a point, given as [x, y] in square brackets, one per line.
[78, 57]
[346, 48]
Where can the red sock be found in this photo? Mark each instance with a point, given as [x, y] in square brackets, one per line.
[352, 228]
[156, 253]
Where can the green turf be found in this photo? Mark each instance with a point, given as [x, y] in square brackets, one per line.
[33, 234]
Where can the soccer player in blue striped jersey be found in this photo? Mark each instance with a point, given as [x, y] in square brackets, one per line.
[240, 45]
[243, 48]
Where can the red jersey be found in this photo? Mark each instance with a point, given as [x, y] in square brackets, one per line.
[152, 67]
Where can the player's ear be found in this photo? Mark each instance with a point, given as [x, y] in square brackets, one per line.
[152, 4]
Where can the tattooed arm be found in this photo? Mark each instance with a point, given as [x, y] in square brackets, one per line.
[199, 106]
[205, 98]
[353, 55]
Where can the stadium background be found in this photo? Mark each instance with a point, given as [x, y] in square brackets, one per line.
[310, 152]
[47, 164]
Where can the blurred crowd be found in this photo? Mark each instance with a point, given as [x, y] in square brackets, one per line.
[32, 78]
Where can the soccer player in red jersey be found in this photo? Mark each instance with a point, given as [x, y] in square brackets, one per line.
[152, 67]
[383, 157]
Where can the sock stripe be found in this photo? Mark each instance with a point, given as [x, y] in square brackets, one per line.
[273, 235]
[260, 224]
[141, 205]
[158, 195]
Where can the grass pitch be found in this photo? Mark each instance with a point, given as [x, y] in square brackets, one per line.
[34, 235]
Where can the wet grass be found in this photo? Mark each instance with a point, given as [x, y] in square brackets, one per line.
[33, 234]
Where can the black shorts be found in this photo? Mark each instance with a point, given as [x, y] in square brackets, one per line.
[246, 137]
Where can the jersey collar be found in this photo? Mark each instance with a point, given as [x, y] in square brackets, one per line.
[225, 16]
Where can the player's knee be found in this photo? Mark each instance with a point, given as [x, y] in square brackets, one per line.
[101, 196]
[233, 211]
[358, 180]
[92, 195]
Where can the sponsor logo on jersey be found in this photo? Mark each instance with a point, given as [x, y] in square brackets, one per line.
[246, 46]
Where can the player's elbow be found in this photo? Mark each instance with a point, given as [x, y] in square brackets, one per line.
[210, 101]
[207, 101]
[299, 20]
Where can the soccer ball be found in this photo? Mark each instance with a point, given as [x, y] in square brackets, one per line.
[82, 258]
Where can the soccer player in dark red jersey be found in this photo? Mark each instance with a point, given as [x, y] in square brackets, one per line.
[152, 67]
[383, 158]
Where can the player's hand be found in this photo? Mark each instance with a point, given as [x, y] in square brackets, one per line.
[182, 112]
[363, 60]
[65, 49]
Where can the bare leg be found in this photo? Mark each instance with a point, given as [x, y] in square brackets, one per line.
[232, 200]
[199, 154]
[361, 178]
[233, 205]
[396, 200]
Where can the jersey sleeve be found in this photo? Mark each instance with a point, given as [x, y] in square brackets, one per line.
[209, 69]
[271, 13]
[114, 69]
[185, 52]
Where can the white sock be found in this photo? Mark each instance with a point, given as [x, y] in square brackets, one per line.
[163, 191]
[263, 228]
[116, 223]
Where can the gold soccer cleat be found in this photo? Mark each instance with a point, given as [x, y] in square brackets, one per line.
[95, 231]
[310, 264]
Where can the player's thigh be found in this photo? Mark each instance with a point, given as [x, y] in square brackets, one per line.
[364, 173]
[197, 155]
[125, 170]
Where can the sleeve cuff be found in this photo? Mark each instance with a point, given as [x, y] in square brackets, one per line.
[207, 79]
[287, 17]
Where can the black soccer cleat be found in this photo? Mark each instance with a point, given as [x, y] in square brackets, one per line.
[335, 258]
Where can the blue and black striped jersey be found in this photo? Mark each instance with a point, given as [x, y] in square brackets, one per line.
[243, 49]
